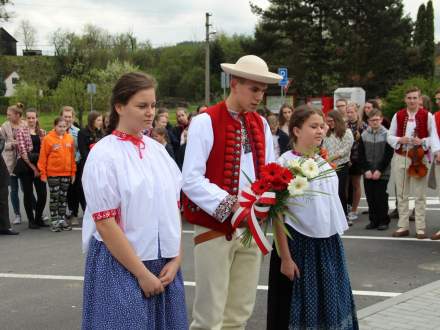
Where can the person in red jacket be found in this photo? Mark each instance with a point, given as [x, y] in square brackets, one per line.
[436, 167]
[57, 167]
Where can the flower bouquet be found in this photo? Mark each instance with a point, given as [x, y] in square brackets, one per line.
[270, 196]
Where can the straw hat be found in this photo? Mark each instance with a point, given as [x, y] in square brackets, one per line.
[253, 68]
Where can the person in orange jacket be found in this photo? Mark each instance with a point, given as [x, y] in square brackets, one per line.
[57, 167]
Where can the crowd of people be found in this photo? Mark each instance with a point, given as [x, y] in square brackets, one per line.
[37, 160]
[133, 174]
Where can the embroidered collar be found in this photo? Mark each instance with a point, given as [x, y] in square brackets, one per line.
[137, 141]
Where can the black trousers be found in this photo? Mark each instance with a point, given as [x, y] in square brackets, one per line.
[29, 181]
[279, 295]
[343, 177]
[377, 199]
[4, 194]
[75, 194]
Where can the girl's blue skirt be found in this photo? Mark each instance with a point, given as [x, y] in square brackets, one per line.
[114, 300]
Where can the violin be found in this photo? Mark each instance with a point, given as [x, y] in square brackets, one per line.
[417, 168]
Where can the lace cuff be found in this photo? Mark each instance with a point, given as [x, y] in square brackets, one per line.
[224, 209]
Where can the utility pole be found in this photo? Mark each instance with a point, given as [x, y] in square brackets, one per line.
[207, 88]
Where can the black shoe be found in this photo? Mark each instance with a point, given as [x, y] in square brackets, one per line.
[34, 226]
[382, 227]
[8, 232]
[42, 224]
[394, 214]
[365, 212]
[370, 226]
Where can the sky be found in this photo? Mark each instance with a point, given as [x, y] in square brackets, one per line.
[162, 22]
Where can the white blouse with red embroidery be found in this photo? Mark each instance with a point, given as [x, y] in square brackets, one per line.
[139, 185]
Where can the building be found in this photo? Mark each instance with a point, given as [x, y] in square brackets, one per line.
[8, 44]
[11, 81]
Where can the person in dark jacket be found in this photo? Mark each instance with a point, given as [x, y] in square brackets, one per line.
[160, 135]
[87, 137]
[376, 154]
[280, 139]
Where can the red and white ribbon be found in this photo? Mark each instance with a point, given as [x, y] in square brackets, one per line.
[248, 201]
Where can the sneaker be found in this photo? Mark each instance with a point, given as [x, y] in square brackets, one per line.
[17, 220]
[64, 226]
[55, 227]
[370, 226]
[353, 216]
[382, 227]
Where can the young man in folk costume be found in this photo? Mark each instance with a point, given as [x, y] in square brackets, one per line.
[410, 128]
[226, 143]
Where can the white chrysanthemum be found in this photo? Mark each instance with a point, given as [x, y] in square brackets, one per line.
[294, 164]
[297, 186]
[310, 168]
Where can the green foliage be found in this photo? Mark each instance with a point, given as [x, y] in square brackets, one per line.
[2, 86]
[351, 43]
[26, 94]
[70, 91]
[424, 41]
[4, 103]
[394, 100]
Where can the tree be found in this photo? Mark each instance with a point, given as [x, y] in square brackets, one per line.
[428, 49]
[4, 15]
[329, 43]
[27, 33]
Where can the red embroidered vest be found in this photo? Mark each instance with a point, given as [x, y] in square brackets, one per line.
[421, 123]
[223, 164]
[437, 121]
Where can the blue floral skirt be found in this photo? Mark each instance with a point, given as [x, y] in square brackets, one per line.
[322, 296]
[114, 300]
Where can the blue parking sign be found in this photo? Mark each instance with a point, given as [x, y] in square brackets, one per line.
[283, 73]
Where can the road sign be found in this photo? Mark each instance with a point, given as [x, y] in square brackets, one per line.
[224, 80]
[283, 73]
[91, 88]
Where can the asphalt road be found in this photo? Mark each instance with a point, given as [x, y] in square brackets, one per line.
[379, 266]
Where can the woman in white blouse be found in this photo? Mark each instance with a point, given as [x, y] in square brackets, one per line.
[131, 227]
[309, 287]
[338, 142]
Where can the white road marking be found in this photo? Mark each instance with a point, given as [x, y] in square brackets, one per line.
[186, 283]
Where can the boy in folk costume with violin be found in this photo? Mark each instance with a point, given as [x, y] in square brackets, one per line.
[375, 156]
[411, 134]
[226, 143]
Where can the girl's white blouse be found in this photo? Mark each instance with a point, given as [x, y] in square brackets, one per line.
[319, 216]
[143, 194]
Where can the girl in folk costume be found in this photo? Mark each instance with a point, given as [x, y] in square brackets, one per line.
[131, 227]
[436, 165]
[412, 129]
[320, 296]
[57, 167]
[226, 143]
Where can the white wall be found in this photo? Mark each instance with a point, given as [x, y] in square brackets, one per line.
[10, 86]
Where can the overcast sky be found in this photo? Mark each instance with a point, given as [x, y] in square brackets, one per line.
[163, 22]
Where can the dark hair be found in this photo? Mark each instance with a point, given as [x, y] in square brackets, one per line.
[201, 106]
[375, 112]
[57, 120]
[340, 126]
[375, 105]
[17, 108]
[37, 124]
[162, 110]
[162, 132]
[281, 118]
[91, 118]
[413, 89]
[300, 116]
[127, 86]
[427, 104]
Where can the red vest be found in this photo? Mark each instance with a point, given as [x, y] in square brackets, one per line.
[437, 122]
[421, 123]
[223, 164]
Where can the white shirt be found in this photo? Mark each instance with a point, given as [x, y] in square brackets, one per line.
[146, 191]
[196, 186]
[319, 216]
[432, 141]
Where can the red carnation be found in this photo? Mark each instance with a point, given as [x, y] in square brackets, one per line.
[261, 186]
[271, 172]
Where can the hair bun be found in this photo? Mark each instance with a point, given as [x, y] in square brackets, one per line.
[20, 105]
